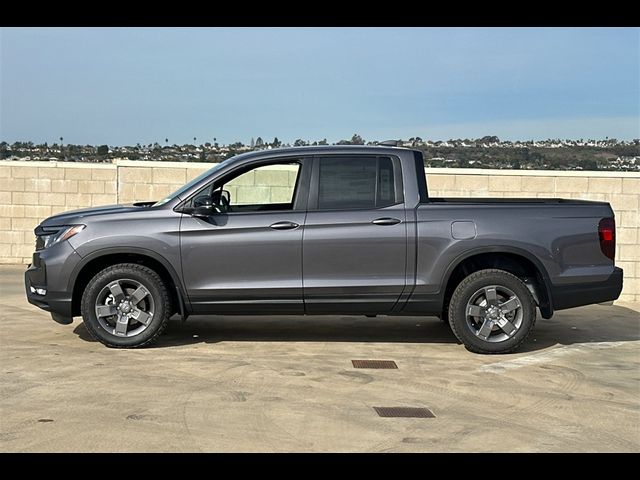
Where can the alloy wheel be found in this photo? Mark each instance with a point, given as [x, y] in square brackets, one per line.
[124, 307]
[494, 313]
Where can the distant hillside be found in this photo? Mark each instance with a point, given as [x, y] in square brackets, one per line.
[615, 157]
[487, 152]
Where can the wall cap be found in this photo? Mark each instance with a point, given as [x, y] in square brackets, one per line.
[53, 164]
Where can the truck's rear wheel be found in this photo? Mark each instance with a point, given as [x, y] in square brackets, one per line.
[492, 311]
[126, 306]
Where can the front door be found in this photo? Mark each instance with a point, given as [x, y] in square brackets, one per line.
[248, 258]
[355, 238]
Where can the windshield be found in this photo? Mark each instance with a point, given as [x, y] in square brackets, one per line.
[190, 184]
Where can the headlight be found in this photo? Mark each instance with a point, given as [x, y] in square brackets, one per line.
[52, 235]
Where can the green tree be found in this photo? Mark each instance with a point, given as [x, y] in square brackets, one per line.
[276, 143]
[357, 140]
[102, 150]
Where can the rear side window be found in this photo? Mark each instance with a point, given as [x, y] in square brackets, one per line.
[356, 182]
[386, 191]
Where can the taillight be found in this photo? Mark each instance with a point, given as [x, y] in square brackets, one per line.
[607, 234]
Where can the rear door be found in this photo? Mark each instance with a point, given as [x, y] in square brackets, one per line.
[355, 239]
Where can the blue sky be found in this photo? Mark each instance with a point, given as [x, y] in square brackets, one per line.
[129, 85]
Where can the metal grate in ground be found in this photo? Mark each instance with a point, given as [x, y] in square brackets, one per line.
[405, 412]
[374, 364]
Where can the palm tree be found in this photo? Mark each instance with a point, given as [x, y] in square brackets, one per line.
[166, 140]
[194, 140]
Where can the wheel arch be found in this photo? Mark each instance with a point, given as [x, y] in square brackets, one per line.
[100, 259]
[511, 259]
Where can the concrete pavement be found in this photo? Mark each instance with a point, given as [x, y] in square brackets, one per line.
[287, 384]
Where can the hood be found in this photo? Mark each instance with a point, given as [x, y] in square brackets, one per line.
[77, 216]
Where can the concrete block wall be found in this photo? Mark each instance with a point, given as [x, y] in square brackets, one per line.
[32, 191]
[138, 182]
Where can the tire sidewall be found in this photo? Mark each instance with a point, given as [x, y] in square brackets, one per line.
[458, 306]
[101, 280]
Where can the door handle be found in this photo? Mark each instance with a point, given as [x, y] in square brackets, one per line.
[386, 221]
[284, 226]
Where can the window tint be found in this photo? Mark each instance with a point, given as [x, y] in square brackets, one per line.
[386, 190]
[355, 182]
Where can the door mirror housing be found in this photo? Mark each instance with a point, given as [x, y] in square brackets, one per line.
[205, 210]
[203, 201]
[203, 206]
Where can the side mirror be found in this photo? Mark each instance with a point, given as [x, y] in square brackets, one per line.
[203, 201]
[205, 210]
[204, 207]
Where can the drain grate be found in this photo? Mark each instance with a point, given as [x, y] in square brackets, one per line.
[374, 364]
[407, 412]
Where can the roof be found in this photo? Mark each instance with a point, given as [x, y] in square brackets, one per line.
[319, 150]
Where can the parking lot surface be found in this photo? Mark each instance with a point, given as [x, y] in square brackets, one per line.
[281, 384]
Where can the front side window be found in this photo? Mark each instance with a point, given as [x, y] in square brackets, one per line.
[356, 182]
[267, 187]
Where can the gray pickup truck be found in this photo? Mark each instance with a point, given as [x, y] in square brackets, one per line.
[324, 230]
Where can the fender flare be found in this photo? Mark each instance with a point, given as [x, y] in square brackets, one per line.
[183, 299]
[546, 310]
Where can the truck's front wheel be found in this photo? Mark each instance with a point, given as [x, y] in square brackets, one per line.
[492, 311]
[126, 306]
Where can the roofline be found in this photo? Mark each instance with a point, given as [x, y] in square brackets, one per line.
[318, 150]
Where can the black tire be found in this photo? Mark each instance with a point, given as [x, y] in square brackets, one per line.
[145, 277]
[463, 328]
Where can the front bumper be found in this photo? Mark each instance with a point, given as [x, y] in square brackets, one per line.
[50, 271]
[579, 294]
